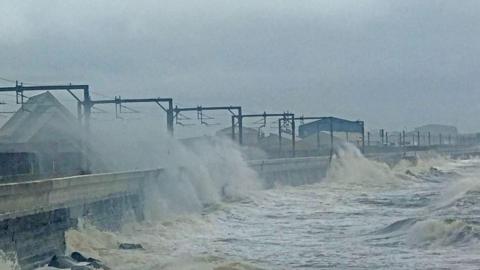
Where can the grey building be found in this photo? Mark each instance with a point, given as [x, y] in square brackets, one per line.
[43, 138]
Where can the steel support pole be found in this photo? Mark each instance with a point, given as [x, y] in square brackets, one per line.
[280, 137]
[318, 137]
[240, 126]
[79, 112]
[233, 127]
[87, 109]
[293, 136]
[170, 117]
[363, 137]
[331, 139]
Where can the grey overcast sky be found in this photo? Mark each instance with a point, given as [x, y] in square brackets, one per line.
[394, 64]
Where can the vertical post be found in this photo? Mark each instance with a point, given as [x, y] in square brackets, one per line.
[318, 137]
[240, 126]
[403, 135]
[381, 136]
[368, 138]
[82, 137]
[429, 139]
[79, 112]
[386, 138]
[170, 117]
[87, 109]
[293, 135]
[331, 138]
[363, 137]
[449, 139]
[279, 137]
[233, 127]
[116, 107]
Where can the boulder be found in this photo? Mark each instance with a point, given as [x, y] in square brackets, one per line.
[62, 262]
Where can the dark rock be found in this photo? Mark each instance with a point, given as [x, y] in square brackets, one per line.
[410, 173]
[62, 262]
[77, 256]
[91, 261]
[435, 171]
[130, 246]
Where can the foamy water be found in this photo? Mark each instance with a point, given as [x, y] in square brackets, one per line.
[363, 215]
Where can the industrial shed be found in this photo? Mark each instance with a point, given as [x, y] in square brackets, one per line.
[333, 125]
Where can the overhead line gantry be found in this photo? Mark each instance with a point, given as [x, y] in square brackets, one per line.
[284, 117]
[118, 101]
[231, 109]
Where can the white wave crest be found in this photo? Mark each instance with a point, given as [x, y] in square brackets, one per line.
[433, 232]
[350, 167]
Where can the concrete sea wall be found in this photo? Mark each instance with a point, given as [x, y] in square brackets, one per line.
[34, 215]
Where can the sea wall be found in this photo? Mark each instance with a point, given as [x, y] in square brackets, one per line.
[34, 215]
[290, 171]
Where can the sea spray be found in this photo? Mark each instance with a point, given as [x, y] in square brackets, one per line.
[350, 167]
[197, 173]
[205, 174]
[8, 261]
[195, 177]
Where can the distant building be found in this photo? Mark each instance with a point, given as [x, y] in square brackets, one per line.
[42, 138]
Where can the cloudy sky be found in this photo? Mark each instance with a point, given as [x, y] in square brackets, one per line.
[395, 64]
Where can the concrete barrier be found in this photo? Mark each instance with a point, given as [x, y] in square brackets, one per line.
[290, 171]
[26, 198]
[34, 215]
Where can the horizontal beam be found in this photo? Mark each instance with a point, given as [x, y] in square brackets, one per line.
[267, 115]
[311, 117]
[44, 87]
[201, 108]
[131, 100]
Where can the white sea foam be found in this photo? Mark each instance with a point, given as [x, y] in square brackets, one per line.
[8, 261]
[350, 167]
[173, 244]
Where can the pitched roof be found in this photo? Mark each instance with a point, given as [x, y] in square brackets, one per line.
[36, 113]
[330, 123]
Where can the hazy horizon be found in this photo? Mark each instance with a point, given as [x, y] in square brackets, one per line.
[393, 64]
